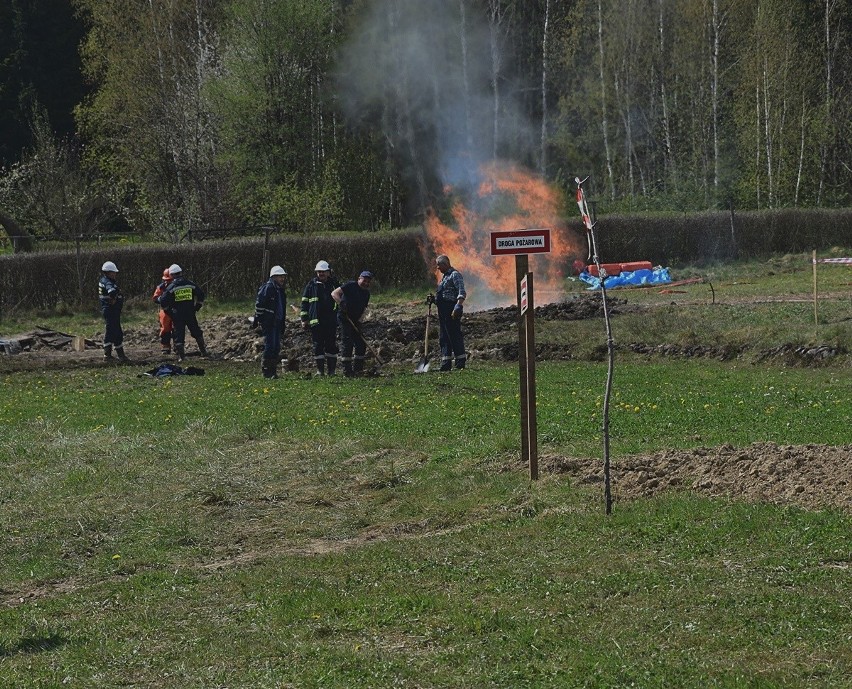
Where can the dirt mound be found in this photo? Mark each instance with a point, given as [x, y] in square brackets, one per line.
[810, 476]
[394, 332]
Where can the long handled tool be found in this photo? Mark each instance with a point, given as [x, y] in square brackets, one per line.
[423, 366]
[364, 340]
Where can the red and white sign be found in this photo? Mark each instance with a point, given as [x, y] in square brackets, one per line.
[520, 242]
[524, 300]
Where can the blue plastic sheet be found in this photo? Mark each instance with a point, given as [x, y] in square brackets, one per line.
[657, 276]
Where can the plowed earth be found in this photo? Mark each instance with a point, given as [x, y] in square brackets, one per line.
[810, 476]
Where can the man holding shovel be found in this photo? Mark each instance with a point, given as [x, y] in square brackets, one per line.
[352, 299]
[449, 297]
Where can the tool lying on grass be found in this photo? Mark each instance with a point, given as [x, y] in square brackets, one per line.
[423, 366]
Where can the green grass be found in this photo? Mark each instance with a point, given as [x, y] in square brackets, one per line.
[228, 531]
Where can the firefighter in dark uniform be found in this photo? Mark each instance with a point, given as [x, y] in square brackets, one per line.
[352, 299]
[449, 298]
[181, 299]
[319, 315]
[269, 311]
[111, 300]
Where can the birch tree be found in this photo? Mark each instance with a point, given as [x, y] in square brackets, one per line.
[149, 125]
[499, 17]
[776, 72]
[272, 101]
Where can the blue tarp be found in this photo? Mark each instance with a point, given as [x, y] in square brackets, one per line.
[657, 276]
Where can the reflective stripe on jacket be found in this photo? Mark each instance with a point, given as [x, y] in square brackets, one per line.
[271, 303]
[317, 304]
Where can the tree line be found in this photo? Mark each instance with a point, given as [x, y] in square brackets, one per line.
[169, 116]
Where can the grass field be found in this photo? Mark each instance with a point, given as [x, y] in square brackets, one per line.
[226, 531]
[223, 531]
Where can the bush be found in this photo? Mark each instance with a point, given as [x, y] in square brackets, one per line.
[719, 235]
[227, 270]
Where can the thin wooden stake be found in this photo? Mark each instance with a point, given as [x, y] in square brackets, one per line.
[814, 261]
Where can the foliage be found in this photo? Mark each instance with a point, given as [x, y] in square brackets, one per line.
[691, 105]
[150, 127]
[370, 114]
[47, 192]
[666, 239]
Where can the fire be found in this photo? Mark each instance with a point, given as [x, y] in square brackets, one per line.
[508, 198]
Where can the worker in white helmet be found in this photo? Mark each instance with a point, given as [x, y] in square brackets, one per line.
[111, 301]
[182, 299]
[270, 308]
[319, 315]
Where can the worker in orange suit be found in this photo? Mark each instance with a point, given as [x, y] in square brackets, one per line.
[166, 324]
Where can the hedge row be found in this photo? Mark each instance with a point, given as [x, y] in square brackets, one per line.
[227, 270]
[714, 236]
[232, 270]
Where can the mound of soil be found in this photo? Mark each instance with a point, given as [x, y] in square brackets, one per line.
[392, 332]
[810, 476]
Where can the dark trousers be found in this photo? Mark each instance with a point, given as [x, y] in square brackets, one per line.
[272, 340]
[324, 336]
[450, 339]
[352, 340]
[113, 334]
[182, 322]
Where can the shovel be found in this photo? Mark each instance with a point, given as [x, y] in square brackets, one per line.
[364, 340]
[423, 366]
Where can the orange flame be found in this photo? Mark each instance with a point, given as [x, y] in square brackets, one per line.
[508, 198]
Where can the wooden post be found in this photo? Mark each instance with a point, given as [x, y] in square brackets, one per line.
[264, 269]
[526, 359]
[521, 267]
[79, 270]
[814, 261]
[532, 415]
[520, 243]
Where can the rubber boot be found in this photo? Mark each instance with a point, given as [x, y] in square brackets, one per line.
[107, 352]
[122, 357]
[201, 346]
[181, 353]
[268, 368]
[359, 365]
[347, 368]
[331, 363]
[320, 366]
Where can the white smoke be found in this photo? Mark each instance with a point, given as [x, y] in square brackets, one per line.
[423, 73]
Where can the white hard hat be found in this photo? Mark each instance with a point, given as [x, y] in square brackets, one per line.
[174, 269]
[322, 265]
[109, 267]
[277, 270]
